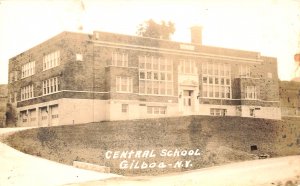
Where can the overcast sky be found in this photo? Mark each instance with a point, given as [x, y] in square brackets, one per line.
[271, 27]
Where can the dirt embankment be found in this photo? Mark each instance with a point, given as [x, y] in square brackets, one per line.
[220, 139]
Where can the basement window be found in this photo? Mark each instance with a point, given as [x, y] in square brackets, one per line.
[218, 112]
[125, 108]
[253, 147]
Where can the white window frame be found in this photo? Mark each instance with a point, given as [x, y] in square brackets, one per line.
[245, 71]
[28, 69]
[51, 86]
[27, 92]
[157, 110]
[218, 112]
[119, 83]
[51, 60]
[155, 76]
[119, 59]
[251, 92]
[216, 80]
[187, 66]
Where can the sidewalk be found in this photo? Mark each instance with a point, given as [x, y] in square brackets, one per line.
[17, 168]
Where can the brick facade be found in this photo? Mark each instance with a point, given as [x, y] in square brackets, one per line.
[289, 92]
[104, 71]
[3, 105]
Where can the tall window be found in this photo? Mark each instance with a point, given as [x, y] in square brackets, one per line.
[51, 60]
[244, 71]
[124, 84]
[187, 67]
[251, 92]
[27, 92]
[51, 86]
[28, 69]
[119, 59]
[155, 75]
[216, 80]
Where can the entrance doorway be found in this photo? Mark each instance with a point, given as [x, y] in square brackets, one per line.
[187, 101]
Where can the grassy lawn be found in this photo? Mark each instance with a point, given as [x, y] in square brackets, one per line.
[220, 139]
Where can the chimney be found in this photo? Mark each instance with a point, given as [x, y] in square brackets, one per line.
[196, 35]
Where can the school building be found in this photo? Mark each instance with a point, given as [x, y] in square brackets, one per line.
[77, 78]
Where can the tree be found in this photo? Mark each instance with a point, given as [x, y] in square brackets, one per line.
[155, 30]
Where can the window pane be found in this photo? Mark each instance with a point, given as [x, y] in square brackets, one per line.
[162, 87]
[155, 63]
[210, 80]
[149, 87]
[205, 80]
[162, 76]
[142, 62]
[142, 87]
[142, 75]
[155, 76]
[123, 84]
[169, 76]
[204, 91]
[162, 65]
[216, 81]
[148, 63]
[149, 75]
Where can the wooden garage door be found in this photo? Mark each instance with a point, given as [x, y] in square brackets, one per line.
[54, 115]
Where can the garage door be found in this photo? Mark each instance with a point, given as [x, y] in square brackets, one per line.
[54, 115]
[32, 117]
[44, 116]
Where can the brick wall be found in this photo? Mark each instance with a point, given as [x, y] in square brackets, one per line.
[3, 105]
[289, 92]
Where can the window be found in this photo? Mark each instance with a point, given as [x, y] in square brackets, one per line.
[79, 57]
[216, 80]
[251, 92]
[16, 75]
[119, 59]
[156, 75]
[270, 75]
[187, 66]
[244, 71]
[10, 98]
[51, 60]
[51, 86]
[157, 110]
[125, 108]
[218, 112]
[123, 84]
[27, 92]
[28, 69]
[13, 76]
[15, 97]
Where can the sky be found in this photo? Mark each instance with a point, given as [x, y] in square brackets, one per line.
[271, 27]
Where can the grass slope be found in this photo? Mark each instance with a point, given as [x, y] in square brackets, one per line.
[220, 139]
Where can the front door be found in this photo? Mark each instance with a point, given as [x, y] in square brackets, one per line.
[187, 101]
